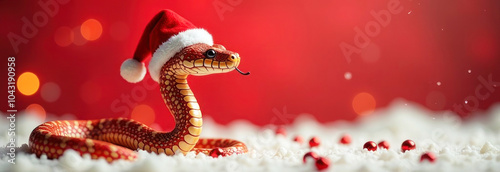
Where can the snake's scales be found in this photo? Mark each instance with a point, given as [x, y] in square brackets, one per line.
[114, 139]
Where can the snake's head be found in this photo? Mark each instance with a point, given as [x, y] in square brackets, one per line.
[203, 59]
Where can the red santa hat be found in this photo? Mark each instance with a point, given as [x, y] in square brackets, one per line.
[165, 35]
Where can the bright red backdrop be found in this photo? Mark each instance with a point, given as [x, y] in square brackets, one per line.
[292, 49]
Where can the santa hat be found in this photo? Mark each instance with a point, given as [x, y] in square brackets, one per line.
[165, 35]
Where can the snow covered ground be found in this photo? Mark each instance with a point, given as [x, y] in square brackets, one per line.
[471, 145]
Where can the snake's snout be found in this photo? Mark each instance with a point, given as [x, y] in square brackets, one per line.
[235, 58]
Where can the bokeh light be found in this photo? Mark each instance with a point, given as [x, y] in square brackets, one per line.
[348, 75]
[37, 110]
[156, 126]
[91, 29]
[28, 83]
[50, 92]
[64, 36]
[78, 38]
[90, 92]
[363, 103]
[144, 114]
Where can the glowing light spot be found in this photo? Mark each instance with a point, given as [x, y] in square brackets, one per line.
[469, 71]
[28, 83]
[438, 83]
[64, 36]
[156, 126]
[90, 92]
[37, 110]
[363, 103]
[144, 114]
[50, 92]
[91, 29]
[78, 38]
[348, 75]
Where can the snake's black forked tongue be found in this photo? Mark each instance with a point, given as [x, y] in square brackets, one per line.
[247, 73]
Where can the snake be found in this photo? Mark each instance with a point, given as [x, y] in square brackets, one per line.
[120, 138]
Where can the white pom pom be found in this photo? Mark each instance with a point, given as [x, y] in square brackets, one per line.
[132, 70]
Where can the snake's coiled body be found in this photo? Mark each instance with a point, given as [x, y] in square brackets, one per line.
[113, 139]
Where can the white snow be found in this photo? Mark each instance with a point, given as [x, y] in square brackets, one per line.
[470, 145]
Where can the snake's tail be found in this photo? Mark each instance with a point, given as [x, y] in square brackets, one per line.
[227, 146]
[45, 139]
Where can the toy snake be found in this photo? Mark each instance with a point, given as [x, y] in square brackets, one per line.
[114, 139]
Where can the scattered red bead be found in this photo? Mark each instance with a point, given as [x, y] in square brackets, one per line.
[384, 144]
[408, 145]
[298, 139]
[215, 152]
[322, 163]
[310, 154]
[429, 156]
[314, 142]
[346, 139]
[281, 131]
[370, 145]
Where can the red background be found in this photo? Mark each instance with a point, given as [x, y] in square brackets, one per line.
[291, 48]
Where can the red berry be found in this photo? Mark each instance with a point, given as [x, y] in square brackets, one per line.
[322, 163]
[314, 142]
[281, 131]
[429, 156]
[384, 144]
[346, 139]
[310, 154]
[215, 152]
[408, 145]
[298, 139]
[370, 145]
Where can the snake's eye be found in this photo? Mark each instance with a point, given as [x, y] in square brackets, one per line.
[210, 53]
